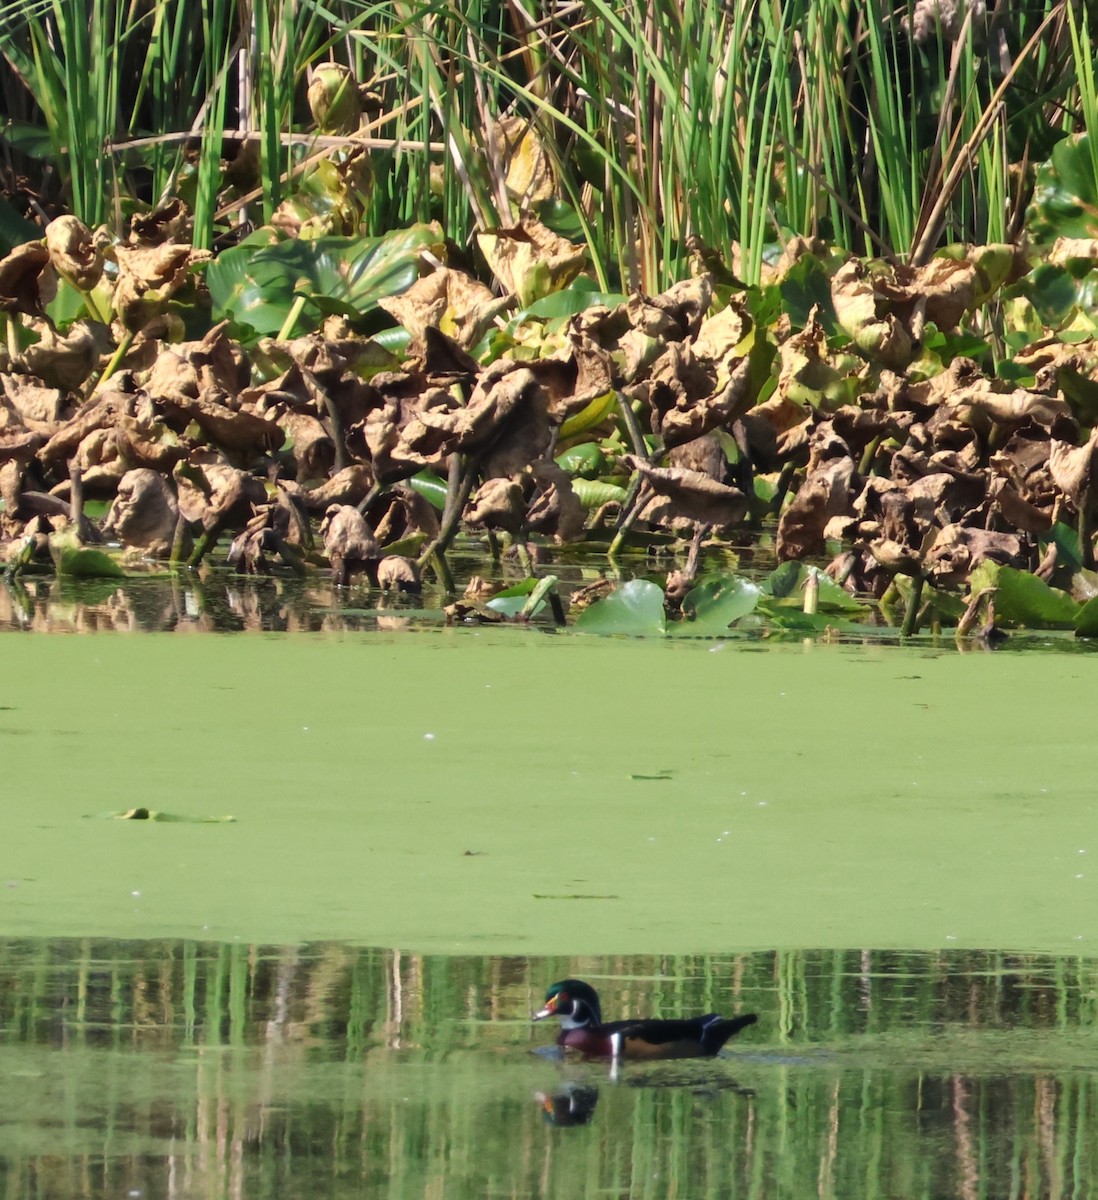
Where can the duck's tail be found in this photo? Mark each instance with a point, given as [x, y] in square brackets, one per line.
[716, 1031]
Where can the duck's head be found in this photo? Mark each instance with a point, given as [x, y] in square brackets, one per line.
[576, 1004]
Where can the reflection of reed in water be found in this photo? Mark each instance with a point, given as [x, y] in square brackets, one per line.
[214, 1070]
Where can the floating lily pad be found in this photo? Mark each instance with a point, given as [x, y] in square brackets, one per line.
[785, 587]
[77, 561]
[635, 609]
[712, 606]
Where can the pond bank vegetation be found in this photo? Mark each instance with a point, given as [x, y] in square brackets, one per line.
[391, 278]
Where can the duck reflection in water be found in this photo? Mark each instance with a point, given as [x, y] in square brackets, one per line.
[571, 1104]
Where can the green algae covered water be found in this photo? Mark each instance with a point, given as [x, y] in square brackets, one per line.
[305, 964]
[522, 793]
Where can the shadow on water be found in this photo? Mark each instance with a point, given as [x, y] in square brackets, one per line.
[171, 1068]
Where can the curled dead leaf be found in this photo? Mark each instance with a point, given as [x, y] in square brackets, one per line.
[144, 513]
[398, 574]
[27, 281]
[530, 259]
[556, 508]
[149, 276]
[827, 492]
[74, 253]
[334, 99]
[674, 494]
[349, 543]
[957, 550]
[349, 486]
[448, 300]
[215, 495]
[498, 504]
[1072, 468]
[878, 333]
[64, 360]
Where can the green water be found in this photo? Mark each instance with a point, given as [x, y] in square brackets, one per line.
[887, 853]
[526, 793]
[172, 1068]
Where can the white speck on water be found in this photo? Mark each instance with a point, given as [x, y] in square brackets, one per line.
[718, 646]
[428, 737]
[762, 804]
[304, 728]
[650, 839]
[136, 895]
[1082, 852]
[1078, 877]
[725, 834]
[951, 937]
[743, 793]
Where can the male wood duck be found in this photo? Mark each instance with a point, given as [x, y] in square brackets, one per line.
[581, 1028]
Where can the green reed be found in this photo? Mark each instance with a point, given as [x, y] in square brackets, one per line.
[740, 124]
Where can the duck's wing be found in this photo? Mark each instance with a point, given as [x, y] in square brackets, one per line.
[694, 1037]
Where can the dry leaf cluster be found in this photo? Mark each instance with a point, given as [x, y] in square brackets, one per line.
[708, 420]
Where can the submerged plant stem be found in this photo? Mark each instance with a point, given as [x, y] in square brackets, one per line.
[463, 473]
[910, 627]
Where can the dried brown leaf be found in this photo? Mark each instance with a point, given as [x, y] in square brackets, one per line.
[144, 513]
[675, 494]
[74, 253]
[530, 259]
[27, 281]
[498, 504]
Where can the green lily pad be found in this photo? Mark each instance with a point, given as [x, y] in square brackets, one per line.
[581, 294]
[635, 610]
[785, 587]
[73, 559]
[257, 287]
[807, 285]
[711, 607]
[585, 459]
[1024, 599]
[594, 493]
[590, 415]
[1065, 194]
[511, 601]
[1086, 619]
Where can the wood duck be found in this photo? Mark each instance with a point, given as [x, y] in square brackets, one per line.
[581, 1028]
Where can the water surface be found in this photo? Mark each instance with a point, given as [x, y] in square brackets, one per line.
[177, 1068]
[513, 791]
